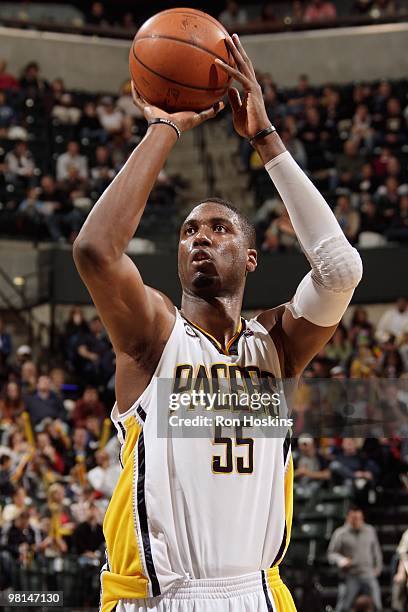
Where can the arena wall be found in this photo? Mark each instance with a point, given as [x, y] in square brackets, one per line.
[337, 55]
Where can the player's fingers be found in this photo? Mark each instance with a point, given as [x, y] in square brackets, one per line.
[137, 98]
[238, 57]
[209, 113]
[234, 99]
[240, 47]
[236, 74]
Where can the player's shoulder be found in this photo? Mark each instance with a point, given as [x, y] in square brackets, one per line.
[161, 300]
[271, 318]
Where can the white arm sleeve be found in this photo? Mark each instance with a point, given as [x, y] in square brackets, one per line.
[324, 294]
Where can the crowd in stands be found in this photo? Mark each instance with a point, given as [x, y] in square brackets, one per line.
[59, 150]
[59, 455]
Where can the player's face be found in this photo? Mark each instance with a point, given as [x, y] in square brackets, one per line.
[213, 252]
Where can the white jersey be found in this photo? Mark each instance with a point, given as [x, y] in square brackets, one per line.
[197, 507]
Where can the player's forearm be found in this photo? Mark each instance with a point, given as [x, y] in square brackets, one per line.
[116, 215]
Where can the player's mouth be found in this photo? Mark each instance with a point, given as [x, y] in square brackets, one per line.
[199, 256]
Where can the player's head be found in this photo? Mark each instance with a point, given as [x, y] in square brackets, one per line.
[216, 250]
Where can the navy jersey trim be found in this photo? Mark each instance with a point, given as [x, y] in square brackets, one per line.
[141, 413]
[141, 507]
[265, 590]
[281, 548]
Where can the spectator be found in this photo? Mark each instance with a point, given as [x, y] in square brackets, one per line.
[92, 349]
[7, 80]
[97, 16]
[383, 8]
[102, 171]
[280, 235]
[31, 81]
[355, 549]
[348, 219]
[11, 402]
[20, 164]
[394, 321]
[339, 348]
[110, 117]
[126, 105]
[400, 579]
[45, 449]
[104, 476]
[29, 373]
[320, 10]
[63, 219]
[398, 228]
[18, 504]
[20, 539]
[44, 402]
[5, 343]
[65, 111]
[267, 16]
[372, 220]
[311, 469]
[7, 115]
[350, 467]
[89, 126]
[88, 406]
[359, 323]
[88, 536]
[6, 488]
[233, 15]
[71, 159]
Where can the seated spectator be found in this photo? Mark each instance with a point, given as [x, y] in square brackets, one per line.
[104, 476]
[372, 220]
[348, 219]
[5, 343]
[383, 8]
[18, 504]
[350, 162]
[361, 129]
[320, 10]
[89, 405]
[267, 16]
[20, 539]
[398, 228]
[32, 213]
[102, 171]
[7, 115]
[63, 219]
[339, 348]
[89, 126]
[29, 374]
[295, 148]
[368, 183]
[311, 469]
[233, 15]
[92, 350]
[71, 158]
[360, 322]
[97, 16]
[31, 81]
[111, 118]
[66, 111]
[128, 22]
[391, 364]
[297, 14]
[11, 402]
[46, 449]
[20, 165]
[44, 403]
[280, 235]
[394, 321]
[126, 105]
[8, 82]
[351, 467]
[88, 536]
[6, 487]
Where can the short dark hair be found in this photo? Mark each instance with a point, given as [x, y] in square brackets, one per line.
[354, 508]
[246, 225]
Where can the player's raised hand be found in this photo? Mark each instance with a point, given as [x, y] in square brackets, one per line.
[249, 113]
[185, 120]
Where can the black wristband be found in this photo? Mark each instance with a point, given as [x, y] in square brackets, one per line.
[165, 122]
[262, 134]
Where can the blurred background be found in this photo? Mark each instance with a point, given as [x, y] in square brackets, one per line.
[334, 77]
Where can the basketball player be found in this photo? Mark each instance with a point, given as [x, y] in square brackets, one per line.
[200, 525]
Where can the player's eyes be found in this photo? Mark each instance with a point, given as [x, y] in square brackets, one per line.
[189, 231]
[219, 228]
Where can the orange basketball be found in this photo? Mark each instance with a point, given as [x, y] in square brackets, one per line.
[172, 60]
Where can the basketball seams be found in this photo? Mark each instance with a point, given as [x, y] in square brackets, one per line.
[180, 40]
[195, 87]
[188, 12]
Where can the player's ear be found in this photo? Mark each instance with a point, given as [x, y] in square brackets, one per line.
[252, 260]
